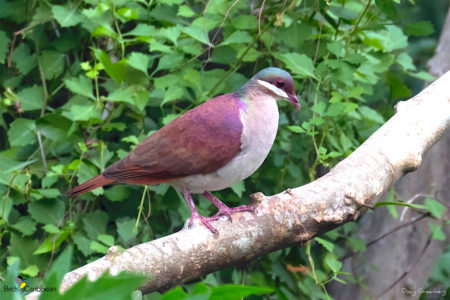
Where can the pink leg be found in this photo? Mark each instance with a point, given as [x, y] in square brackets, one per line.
[223, 209]
[195, 214]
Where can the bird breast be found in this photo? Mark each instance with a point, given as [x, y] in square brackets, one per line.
[260, 125]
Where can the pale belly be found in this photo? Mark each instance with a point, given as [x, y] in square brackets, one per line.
[259, 132]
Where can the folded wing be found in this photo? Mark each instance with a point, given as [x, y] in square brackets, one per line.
[200, 141]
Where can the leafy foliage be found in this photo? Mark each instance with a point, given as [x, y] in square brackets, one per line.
[83, 82]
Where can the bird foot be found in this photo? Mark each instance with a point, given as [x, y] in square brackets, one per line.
[205, 221]
[227, 211]
[223, 211]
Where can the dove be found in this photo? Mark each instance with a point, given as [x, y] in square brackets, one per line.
[210, 147]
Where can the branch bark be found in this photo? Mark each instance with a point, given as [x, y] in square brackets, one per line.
[296, 215]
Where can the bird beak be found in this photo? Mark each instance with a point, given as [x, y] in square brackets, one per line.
[293, 99]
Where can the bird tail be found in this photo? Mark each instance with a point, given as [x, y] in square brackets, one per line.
[89, 185]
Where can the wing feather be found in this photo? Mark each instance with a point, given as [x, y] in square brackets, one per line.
[200, 141]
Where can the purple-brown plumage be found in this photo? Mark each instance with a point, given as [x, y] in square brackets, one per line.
[210, 147]
[198, 142]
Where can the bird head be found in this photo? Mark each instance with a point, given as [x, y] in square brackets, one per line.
[278, 83]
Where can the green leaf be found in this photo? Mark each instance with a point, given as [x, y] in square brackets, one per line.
[81, 86]
[86, 172]
[85, 112]
[159, 189]
[356, 244]
[421, 28]
[436, 232]
[355, 58]
[328, 245]
[337, 48]
[139, 61]
[185, 11]
[174, 294]
[25, 225]
[128, 13]
[170, 33]
[436, 208]
[31, 98]
[23, 248]
[22, 132]
[47, 211]
[335, 109]
[117, 193]
[389, 39]
[300, 64]
[95, 224]
[4, 42]
[24, 60]
[423, 76]
[121, 95]
[406, 62]
[83, 244]
[107, 286]
[387, 6]
[141, 98]
[59, 268]
[125, 229]
[67, 15]
[9, 166]
[370, 114]
[51, 243]
[143, 30]
[52, 63]
[115, 70]
[244, 22]
[296, 129]
[231, 292]
[237, 37]
[294, 36]
[42, 14]
[345, 141]
[332, 263]
[30, 271]
[174, 92]
[54, 127]
[52, 229]
[170, 61]
[398, 88]
[238, 188]
[97, 247]
[104, 31]
[39, 194]
[106, 239]
[197, 33]
[169, 118]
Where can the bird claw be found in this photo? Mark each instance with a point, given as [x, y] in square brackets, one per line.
[205, 221]
[223, 211]
[228, 211]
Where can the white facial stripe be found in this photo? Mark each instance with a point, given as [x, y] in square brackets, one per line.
[278, 92]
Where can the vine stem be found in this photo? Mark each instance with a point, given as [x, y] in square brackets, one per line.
[141, 207]
[311, 261]
[355, 27]
[116, 24]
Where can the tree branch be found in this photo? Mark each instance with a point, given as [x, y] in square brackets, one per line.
[297, 215]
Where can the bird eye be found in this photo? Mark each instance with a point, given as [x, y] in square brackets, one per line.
[279, 84]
